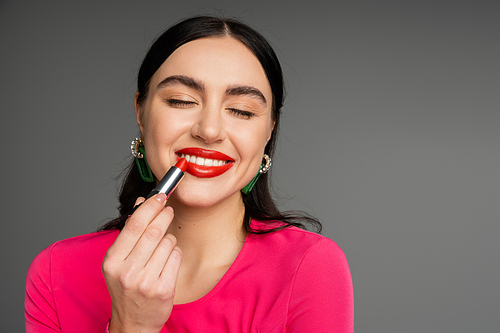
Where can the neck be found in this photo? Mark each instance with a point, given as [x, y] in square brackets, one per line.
[205, 233]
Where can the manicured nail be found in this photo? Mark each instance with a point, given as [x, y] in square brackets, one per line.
[161, 197]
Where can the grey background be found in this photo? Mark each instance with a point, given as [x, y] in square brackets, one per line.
[390, 136]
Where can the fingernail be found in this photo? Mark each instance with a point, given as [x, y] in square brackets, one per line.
[161, 197]
[133, 209]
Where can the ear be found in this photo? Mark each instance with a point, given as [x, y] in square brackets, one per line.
[138, 112]
[270, 132]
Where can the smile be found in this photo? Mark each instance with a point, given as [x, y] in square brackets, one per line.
[203, 163]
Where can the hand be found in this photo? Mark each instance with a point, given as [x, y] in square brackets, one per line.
[141, 269]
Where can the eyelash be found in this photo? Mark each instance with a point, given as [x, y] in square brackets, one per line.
[180, 103]
[186, 104]
[241, 113]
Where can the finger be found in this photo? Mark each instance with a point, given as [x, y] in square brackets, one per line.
[170, 272]
[136, 225]
[159, 257]
[151, 238]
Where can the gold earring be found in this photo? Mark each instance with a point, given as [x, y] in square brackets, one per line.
[139, 152]
[263, 169]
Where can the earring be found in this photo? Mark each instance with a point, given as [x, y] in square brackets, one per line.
[137, 148]
[263, 169]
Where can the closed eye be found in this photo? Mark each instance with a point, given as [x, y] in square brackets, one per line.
[241, 113]
[180, 103]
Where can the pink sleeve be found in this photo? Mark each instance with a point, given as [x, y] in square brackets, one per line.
[39, 306]
[322, 295]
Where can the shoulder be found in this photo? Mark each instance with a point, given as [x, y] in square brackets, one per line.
[322, 298]
[299, 242]
[315, 253]
[296, 250]
[73, 251]
[59, 280]
[84, 243]
[321, 294]
[317, 277]
[92, 241]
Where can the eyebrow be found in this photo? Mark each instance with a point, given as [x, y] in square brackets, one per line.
[182, 80]
[232, 91]
[248, 91]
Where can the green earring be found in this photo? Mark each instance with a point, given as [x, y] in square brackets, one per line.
[263, 169]
[137, 148]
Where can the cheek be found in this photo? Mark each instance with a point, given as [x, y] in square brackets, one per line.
[162, 126]
[251, 141]
[161, 130]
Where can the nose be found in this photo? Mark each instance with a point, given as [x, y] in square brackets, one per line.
[209, 125]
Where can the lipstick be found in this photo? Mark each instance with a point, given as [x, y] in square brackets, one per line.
[169, 182]
[206, 171]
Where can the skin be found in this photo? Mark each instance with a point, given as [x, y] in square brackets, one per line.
[211, 93]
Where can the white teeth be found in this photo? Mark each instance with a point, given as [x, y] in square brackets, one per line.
[202, 161]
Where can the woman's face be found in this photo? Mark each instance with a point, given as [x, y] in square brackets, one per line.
[210, 100]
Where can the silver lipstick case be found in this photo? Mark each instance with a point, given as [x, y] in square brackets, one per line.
[168, 183]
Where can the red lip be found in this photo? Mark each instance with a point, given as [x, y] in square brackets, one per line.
[206, 171]
[205, 153]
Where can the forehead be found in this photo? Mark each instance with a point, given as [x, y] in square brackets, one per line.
[218, 62]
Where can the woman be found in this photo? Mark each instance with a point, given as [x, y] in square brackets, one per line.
[218, 256]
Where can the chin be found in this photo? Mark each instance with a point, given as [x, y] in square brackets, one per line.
[203, 198]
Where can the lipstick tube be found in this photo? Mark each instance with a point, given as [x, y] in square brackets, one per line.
[169, 182]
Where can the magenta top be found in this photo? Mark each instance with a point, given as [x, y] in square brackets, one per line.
[286, 281]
